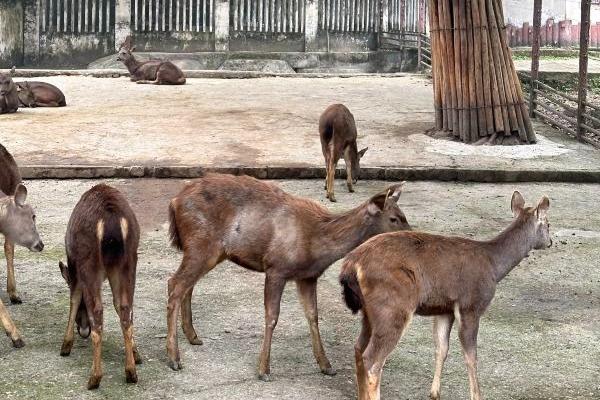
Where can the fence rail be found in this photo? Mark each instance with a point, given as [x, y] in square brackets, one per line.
[268, 15]
[77, 16]
[172, 15]
[349, 15]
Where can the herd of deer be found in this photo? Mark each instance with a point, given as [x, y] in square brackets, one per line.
[389, 273]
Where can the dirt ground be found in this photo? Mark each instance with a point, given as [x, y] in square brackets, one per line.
[257, 122]
[539, 340]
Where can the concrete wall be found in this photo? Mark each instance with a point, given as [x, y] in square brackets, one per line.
[518, 11]
[11, 33]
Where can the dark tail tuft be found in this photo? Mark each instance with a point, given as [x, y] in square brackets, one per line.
[351, 290]
[173, 230]
[112, 246]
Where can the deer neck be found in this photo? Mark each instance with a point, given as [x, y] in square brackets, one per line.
[341, 233]
[132, 64]
[510, 247]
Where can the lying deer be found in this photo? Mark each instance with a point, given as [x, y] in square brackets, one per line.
[39, 94]
[158, 72]
[101, 242]
[337, 131]
[395, 275]
[9, 101]
[10, 177]
[17, 224]
[260, 227]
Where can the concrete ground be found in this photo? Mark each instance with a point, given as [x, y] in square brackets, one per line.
[538, 340]
[258, 122]
[559, 65]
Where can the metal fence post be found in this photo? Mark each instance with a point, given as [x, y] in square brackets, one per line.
[535, 55]
[584, 39]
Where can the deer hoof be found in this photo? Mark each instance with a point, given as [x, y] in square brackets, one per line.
[265, 377]
[18, 343]
[329, 371]
[350, 189]
[65, 350]
[332, 199]
[94, 382]
[175, 365]
[131, 376]
[15, 299]
[137, 358]
[196, 341]
[434, 396]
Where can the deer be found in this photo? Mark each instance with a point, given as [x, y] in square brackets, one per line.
[39, 94]
[396, 275]
[18, 226]
[157, 72]
[9, 100]
[258, 226]
[101, 243]
[337, 131]
[10, 178]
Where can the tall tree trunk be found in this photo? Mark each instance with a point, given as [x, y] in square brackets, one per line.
[477, 93]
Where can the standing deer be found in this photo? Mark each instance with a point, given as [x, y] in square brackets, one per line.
[337, 131]
[260, 227]
[395, 275]
[17, 224]
[101, 242]
[10, 178]
[158, 72]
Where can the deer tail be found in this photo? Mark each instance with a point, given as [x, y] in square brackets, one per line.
[174, 237]
[112, 233]
[351, 289]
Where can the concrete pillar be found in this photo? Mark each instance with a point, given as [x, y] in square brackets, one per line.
[385, 17]
[311, 25]
[122, 21]
[221, 25]
[11, 33]
[31, 32]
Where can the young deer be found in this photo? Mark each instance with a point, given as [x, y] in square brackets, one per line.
[17, 224]
[101, 242]
[9, 180]
[395, 275]
[337, 131]
[260, 227]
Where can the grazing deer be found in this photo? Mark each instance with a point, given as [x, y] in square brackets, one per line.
[17, 224]
[337, 131]
[10, 178]
[395, 275]
[157, 72]
[101, 242]
[260, 227]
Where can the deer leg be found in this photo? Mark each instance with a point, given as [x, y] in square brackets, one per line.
[11, 284]
[331, 179]
[116, 289]
[126, 315]
[469, 328]
[195, 264]
[74, 307]
[273, 290]
[359, 348]
[384, 337]
[93, 302]
[10, 328]
[307, 290]
[442, 325]
[348, 170]
[186, 319]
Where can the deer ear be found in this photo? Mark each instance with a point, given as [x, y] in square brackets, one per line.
[19, 88]
[132, 49]
[362, 152]
[64, 271]
[542, 208]
[395, 191]
[517, 203]
[20, 195]
[377, 203]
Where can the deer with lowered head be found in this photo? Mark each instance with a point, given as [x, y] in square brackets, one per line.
[101, 243]
[396, 275]
[260, 227]
[337, 131]
[17, 225]
[157, 72]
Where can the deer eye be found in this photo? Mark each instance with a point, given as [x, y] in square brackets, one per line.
[33, 217]
[394, 220]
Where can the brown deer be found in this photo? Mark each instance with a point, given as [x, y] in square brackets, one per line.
[157, 72]
[395, 275]
[17, 224]
[260, 227]
[10, 178]
[39, 94]
[9, 100]
[337, 131]
[101, 242]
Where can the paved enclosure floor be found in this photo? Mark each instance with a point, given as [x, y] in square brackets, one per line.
[257, 122]
[539, 339]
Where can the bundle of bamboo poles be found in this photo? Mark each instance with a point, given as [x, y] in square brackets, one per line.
[477, 93]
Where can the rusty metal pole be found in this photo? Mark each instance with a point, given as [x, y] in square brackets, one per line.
[584, 40]
[535, 55]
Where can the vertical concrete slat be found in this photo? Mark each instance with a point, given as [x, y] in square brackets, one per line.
[221, 24]
[122, 21]
[311, 24]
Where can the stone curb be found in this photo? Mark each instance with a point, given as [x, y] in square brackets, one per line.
[212, 74]
[298, 172]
